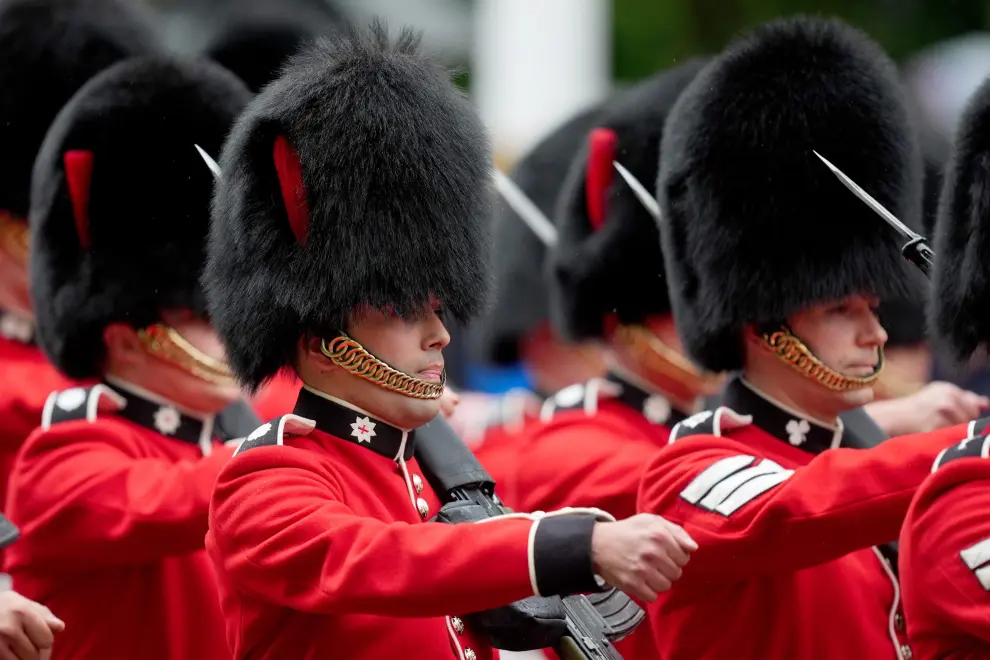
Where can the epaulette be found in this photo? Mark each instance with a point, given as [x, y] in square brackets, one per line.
[579, 395]
[978, 427]
[272, 433]
[79, 403]
[972, 447]
[709, 422]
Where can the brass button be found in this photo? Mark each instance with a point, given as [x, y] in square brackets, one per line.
[458, 625]
[469, 655]
[417, 484]
[422, 507]
[906, 652]
[899, 622]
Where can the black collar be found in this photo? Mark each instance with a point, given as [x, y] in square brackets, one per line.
[147, 410]
[654, 407]
[17, 328]
[781, 423]
[353, 425]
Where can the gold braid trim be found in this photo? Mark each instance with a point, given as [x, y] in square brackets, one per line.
[167, 345]
[662, 359]
[14, 237]
[355, 359]
[793, 351]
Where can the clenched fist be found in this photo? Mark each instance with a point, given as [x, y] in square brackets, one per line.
[27, 629]
[642, 555]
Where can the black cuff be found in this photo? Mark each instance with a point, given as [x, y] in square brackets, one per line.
[562, 555]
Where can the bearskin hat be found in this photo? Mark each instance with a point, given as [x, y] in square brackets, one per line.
[258, 37]
[48, 49]
[755, 227]
[120, 202]
[607, 259]
[961, 281]
[521, 302]
[360, 177]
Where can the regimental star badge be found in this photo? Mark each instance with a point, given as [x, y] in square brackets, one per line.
[656, 409]
[363, 429]
[167, 420]
[797, 431]
[71, 399]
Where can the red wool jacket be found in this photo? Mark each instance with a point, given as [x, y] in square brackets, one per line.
[945, 557]
[320, 539]
[113, 511]
[26, 380]
[784, 525]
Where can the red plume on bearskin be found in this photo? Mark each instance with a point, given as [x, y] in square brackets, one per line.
[607, 264]
[391, 211]
[121, 202]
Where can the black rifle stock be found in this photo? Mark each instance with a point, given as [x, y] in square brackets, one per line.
[578, 627]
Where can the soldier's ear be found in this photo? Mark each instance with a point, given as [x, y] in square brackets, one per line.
[122, 345]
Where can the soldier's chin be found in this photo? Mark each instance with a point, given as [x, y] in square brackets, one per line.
[858, 397]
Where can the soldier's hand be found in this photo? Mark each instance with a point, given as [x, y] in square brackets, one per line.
[642, 555]
[27, 628]
[448, 402]
[934, 406]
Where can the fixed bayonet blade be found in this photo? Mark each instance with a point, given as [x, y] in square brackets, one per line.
[210, 163]
[867, 199]
[524, 207]
[642, 194]
[916, 250]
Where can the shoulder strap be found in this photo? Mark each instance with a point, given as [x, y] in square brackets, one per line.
[79, 403]
[709, 422]
[972, 447]
[272, 433]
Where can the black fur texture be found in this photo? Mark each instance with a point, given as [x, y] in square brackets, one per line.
[619, 268]
[521, 302]
[257, 38]
[396, 166]
[961, 281]
[149, 205]
[48, 50]
[754, 226]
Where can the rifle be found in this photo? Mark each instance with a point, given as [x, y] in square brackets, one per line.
[577, 627]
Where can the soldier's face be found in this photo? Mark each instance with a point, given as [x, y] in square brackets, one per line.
[844, 334]
[413, 346]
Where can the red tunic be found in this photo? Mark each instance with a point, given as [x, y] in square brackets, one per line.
[26, 380]
[112, 517]
[322, 549]
[785, 567]
[945, 557]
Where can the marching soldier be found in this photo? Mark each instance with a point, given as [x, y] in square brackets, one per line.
[607, 286]
[517, 328]
[774, 270]
[111, 493]
[40, 46]
[358, 212]
[945, 541]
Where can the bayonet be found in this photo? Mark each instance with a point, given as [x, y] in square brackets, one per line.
[524, 207]
[210, 163]
[642, 194]
[916, 250]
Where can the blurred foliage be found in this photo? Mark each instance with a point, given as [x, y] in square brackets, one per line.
[650, 35]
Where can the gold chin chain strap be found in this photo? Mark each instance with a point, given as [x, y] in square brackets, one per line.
[662, 359]
[14, 236]
[793, 351]
[169, 346]
[355, 359]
